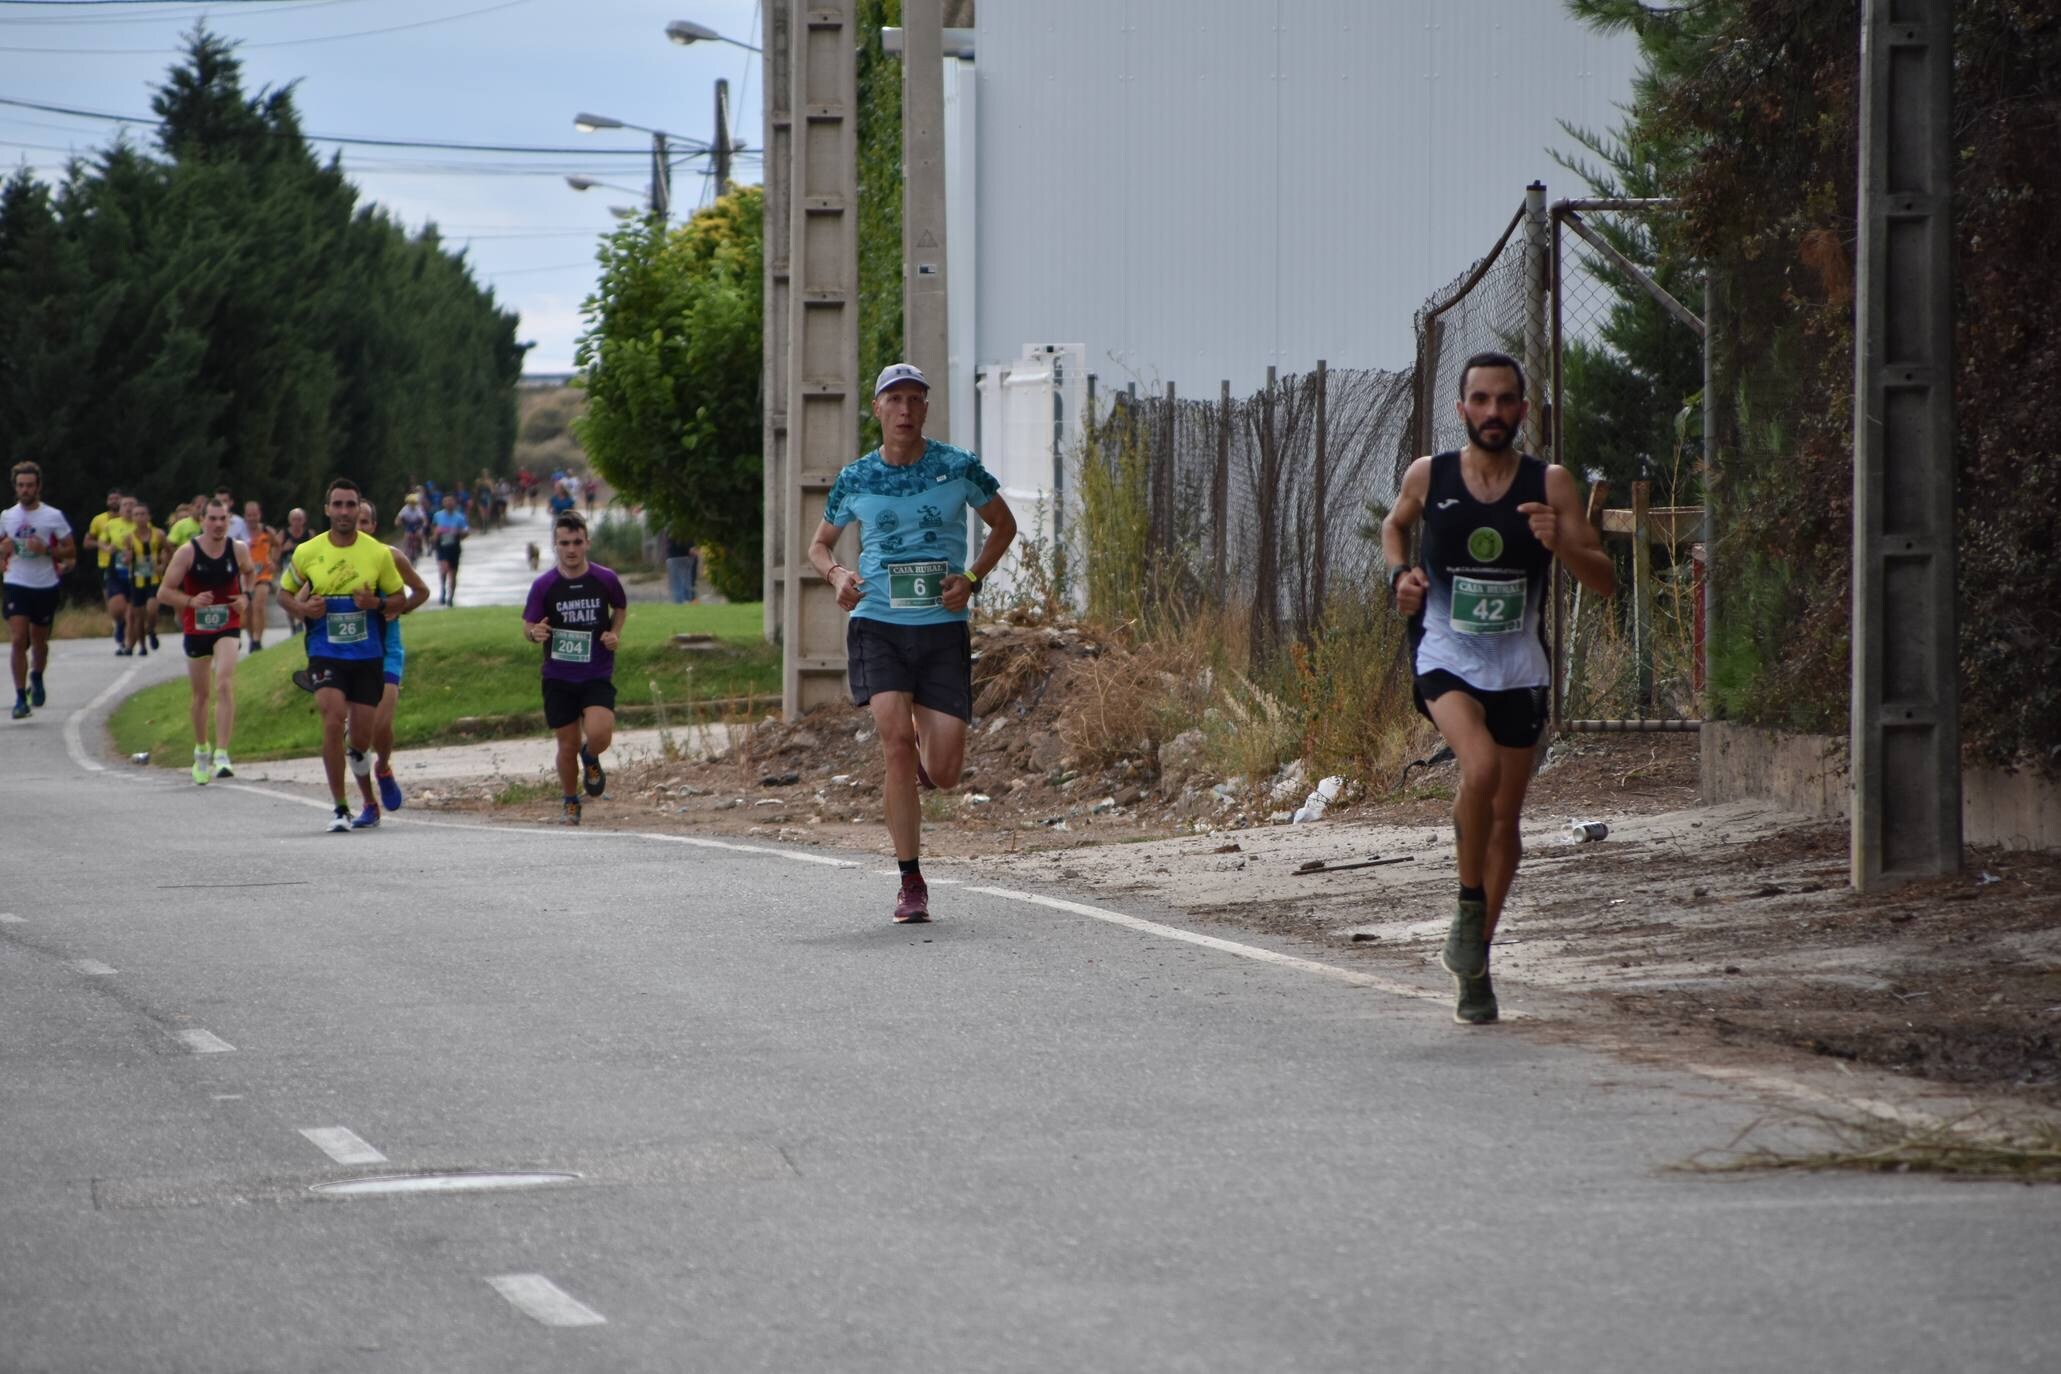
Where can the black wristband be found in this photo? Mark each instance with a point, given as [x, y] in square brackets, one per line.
[1395, 575]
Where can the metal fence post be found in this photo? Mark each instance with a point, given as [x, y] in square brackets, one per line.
[1322, 482]
[1265, 595]
[1537, 281]
[1220, 494]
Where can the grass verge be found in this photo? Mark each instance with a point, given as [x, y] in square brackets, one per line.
[469, 664]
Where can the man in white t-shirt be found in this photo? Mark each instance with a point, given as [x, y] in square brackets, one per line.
[34, 539]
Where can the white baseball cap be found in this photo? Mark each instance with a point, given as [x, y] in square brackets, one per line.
[900, 372]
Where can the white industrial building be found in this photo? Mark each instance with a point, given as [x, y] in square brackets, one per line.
[1192, 191]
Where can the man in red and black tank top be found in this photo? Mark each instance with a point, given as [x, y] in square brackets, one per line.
[208, 583]
[1494, 521]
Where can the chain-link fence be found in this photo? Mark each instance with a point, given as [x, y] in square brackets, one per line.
[1625, 415]
[1270, 504]
[1267, 503]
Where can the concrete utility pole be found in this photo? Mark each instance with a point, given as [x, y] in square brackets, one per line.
[823, 322]
[1906, 737]
[924, 323]
[719, 148]
[776, 116]
[661, 178]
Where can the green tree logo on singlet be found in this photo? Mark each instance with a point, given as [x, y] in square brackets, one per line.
[1485, 545]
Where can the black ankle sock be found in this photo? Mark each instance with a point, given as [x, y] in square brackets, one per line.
[908, 866]
[1473, 894]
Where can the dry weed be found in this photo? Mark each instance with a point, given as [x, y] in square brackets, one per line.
[1977, 1144]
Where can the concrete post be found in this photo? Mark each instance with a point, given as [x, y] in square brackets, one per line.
[823, 389]
[1906, 738]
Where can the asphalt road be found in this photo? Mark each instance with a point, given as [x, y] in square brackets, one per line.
[1022, 1138]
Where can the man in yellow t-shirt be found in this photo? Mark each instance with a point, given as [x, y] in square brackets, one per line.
[107, 534]
[342, 585]
[185, 525]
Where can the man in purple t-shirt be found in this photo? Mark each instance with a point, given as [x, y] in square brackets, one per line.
[576, 611]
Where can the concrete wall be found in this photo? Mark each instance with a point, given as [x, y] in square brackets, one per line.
[1197, 189]
[1807, 773]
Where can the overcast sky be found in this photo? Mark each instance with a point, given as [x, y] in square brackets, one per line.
[461, 71]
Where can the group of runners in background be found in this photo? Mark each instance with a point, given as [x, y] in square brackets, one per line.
[342, 589]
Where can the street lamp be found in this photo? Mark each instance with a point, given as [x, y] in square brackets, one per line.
[661, 164]
[589, 183]
[685, 31]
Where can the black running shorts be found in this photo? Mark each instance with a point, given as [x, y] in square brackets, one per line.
[361, 680]
[566, 702]
[932, 663]
[448, 553]
[1516, 718]
[37, 605]
[203, 646]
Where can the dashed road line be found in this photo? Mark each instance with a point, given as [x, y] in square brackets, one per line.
[537, 1297]
[342, 1144]
[8, 918]
[92, 968]
[204, 1042]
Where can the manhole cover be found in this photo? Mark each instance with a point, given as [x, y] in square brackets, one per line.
[439, 1183]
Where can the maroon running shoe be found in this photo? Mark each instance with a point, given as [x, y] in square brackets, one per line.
[914, 906]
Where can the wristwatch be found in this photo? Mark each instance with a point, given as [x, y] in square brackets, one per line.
[973, 577]
[1395, 575]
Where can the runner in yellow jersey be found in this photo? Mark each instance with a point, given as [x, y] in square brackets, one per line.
[148, 556]
[343, 585]
[105, 535]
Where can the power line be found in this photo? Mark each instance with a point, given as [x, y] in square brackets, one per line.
[291, 42]
[272, 9]
[364, 142]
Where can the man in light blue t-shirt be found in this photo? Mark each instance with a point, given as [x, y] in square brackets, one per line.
[910, 653]
[452, 529]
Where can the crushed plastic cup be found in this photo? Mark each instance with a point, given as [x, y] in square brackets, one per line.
[1581, 832]
[143, 757]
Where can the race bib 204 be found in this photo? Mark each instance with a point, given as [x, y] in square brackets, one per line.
[572, 646]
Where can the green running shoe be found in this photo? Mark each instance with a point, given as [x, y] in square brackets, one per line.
[203, 765]
[1477, 1004]
[1466, 950]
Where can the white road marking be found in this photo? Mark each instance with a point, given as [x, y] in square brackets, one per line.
[565, 832]
[72, 743]
[535, 1296]
[204, 1042]
[1264, 956]
[343, 1145]
[92, 968]
[8, 918]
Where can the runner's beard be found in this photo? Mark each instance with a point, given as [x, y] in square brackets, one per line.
[1503, 439]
